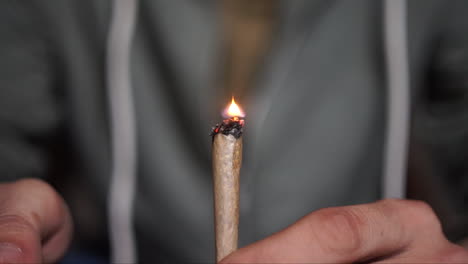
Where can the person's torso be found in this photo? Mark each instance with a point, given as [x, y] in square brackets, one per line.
[314, 127]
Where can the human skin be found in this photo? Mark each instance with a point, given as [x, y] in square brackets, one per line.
[388, 231]
[35, 223]
[35, 227]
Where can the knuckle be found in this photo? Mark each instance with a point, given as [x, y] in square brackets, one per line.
[339, 231]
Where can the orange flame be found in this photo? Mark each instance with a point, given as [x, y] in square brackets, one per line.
[233, 110]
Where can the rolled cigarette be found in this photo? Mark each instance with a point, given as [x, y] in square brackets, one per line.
[227, 159]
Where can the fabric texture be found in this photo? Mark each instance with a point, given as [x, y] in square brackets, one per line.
[314, 126]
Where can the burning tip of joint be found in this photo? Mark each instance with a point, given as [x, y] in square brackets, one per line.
[233, 110]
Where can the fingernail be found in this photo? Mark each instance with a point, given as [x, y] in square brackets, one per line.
[10, 253]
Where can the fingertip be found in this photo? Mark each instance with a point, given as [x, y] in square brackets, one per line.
[34, 218]
[55, 247]
[10, 253]
[19, 241]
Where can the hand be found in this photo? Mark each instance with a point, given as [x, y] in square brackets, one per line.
[393, 231]
[35, 224]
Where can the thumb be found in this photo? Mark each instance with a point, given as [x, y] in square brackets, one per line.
[35, 224]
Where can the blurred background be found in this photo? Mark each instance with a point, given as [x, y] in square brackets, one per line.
[311, 75]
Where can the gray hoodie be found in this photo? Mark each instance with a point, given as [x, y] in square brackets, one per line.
[316, 119]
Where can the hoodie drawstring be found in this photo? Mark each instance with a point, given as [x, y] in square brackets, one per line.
[398, 99]
[122, 132]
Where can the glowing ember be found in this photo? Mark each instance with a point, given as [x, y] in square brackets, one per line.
[233, 110]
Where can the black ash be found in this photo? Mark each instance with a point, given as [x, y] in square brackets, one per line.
[232, 126]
